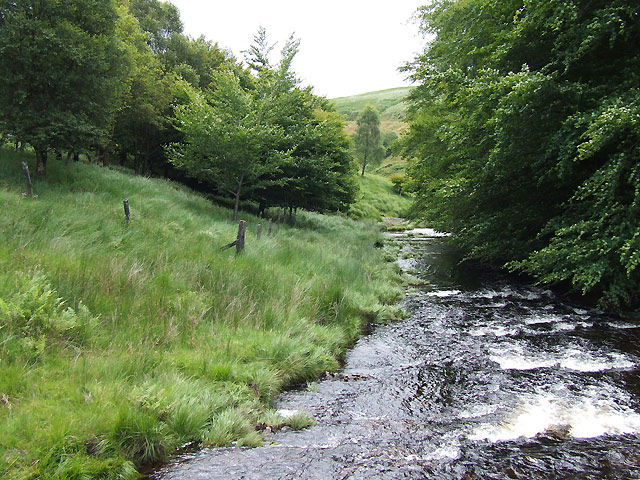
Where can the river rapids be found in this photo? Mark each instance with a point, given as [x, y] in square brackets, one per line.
[487, 379]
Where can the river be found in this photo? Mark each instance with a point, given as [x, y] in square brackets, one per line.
[488, 378]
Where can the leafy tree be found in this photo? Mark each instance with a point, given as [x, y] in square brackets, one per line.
[159, 20]
[226, 137]
[316, 173]
[141, 124]
[60, 69]
[194, 60]
[367, 140]
[524, 138]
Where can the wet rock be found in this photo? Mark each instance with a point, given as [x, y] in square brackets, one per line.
[559, 432]
[347, 377]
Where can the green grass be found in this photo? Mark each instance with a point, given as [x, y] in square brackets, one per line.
[389, 103]
[377, 199]
[120, 342]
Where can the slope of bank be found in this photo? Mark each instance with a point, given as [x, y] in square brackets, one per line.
[377, 199]
[122, 341]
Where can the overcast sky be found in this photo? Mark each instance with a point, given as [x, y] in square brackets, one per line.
[347, 47]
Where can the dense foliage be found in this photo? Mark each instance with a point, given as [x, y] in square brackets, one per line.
[525, 137]
[262, 136]
[118, 78]
[61, 73]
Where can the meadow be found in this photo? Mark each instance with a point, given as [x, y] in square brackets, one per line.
[123, 341]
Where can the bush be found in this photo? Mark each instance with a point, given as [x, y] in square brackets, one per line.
[399, 183]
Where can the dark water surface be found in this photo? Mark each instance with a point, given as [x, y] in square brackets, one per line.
[487, 379]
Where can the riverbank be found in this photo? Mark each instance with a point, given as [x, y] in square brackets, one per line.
[125, 340]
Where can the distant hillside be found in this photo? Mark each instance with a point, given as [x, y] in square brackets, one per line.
[390, 103]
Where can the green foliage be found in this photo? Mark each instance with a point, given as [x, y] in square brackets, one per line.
[160, 20]
[399, 183]
[226, 137]
[61, 66]
[265, 138]
[524, 138]
[35, 318]
[178, 333]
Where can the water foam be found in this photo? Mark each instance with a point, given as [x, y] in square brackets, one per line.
[444, 293]
[515, 357]
[498, 331]
[428, 232]
[599, 411]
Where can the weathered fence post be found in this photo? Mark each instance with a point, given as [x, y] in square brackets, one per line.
[259, 231]
[242, 228]
[269, 227]
[127, 212]
[25, 169]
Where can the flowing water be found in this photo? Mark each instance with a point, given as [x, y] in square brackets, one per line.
[487, 379]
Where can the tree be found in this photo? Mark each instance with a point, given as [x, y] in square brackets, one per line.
[259, 136]
[61, 65]
[159, 20]
[226, 137]
[316, 172]
[367, 139]
[524, 138]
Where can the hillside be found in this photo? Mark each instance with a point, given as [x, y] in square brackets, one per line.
[392, 108]
[390, 103]
[122, 341]
[376, 198]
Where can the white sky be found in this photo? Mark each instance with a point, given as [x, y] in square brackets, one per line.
[347, 47]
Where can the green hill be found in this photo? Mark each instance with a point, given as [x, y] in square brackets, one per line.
[390, 103]
[121, 341]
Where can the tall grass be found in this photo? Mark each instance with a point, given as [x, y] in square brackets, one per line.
[121, 341]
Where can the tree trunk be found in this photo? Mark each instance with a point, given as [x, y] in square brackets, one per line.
[364, 164]
[41, 157]
[242, 228]
[105, 158]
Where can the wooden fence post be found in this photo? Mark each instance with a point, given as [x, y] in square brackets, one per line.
[269, 229]
[242, 228]
[25, 169]
[259, 231]
[127, 212]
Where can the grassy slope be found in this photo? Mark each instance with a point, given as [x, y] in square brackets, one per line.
[377, 199]
[389, 103]
[118, 343]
